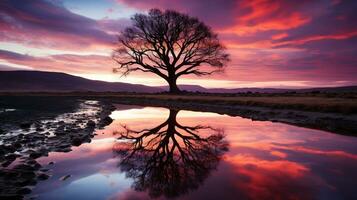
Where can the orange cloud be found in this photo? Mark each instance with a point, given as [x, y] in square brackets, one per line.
[319, 37]
[289, 22]
[264, 16]
[279, 36]
[292, 169]
[270, 179]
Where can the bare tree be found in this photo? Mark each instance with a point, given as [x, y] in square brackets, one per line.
[169, 44]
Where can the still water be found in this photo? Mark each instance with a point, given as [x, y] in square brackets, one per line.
[160, 153]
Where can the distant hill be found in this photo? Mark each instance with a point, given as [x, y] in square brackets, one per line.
[190, 88]
[53, 81]
[197, 88]
[279, 90]
[38, 81]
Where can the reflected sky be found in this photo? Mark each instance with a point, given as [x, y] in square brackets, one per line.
[264, 160]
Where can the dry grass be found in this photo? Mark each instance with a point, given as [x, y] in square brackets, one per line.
[320, 104]
[346, 104]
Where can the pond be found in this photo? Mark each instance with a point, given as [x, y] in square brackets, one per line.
[151, 152]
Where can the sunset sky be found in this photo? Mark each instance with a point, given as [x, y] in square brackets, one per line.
[272, 43]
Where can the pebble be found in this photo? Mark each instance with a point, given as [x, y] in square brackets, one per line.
[63, 178]
[43, 176]
[25, 125]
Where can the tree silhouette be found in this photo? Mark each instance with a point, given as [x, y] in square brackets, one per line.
[169, 44]
[169, 159]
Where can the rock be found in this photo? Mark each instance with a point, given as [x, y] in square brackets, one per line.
[39, 129]
[44, 170]
[25, 125]
[6, 163]
[51, 163]
[37, 123]
[26, 168]
[35, 155]
[24, 191]
[22, 182]
[9, 148]
[64, 146]
[63, 178]
[76, 141]
[26, 175]
[34, 164]
[106, 121]
[2, 132]
[32, 182]
[63, 150]
[60, 133]
[17, 145]
[43, 176]
[31, 162]
[33, 197]
[11, 196]
[90, 123]
[11, 157]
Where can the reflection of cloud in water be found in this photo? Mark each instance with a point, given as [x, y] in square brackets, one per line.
[7, 110]
[154, 113]
[265, 160]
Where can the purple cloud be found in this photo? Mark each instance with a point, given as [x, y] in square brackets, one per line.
[45, 23]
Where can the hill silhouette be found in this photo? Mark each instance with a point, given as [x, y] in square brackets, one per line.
[60, 82]
[40, 81]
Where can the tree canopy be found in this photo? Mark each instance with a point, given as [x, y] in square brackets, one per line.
[169, 44]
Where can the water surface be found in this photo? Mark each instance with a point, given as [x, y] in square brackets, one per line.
[160, 153]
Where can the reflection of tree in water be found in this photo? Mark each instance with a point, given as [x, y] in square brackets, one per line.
[169, 159]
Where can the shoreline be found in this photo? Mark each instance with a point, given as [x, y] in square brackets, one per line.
[327, 112]
[332, 122]
[19, 170]
[344, 103]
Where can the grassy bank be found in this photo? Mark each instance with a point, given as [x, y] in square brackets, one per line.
[306, 103]
[345, 104]
[337, 115]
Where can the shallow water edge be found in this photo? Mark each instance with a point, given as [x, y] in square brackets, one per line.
[27, 139]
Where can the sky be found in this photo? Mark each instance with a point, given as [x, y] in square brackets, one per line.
[272, 43]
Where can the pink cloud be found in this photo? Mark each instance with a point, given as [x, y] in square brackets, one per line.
[62, 62]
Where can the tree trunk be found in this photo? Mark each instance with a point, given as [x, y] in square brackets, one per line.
[172, 123]
[173, 86]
